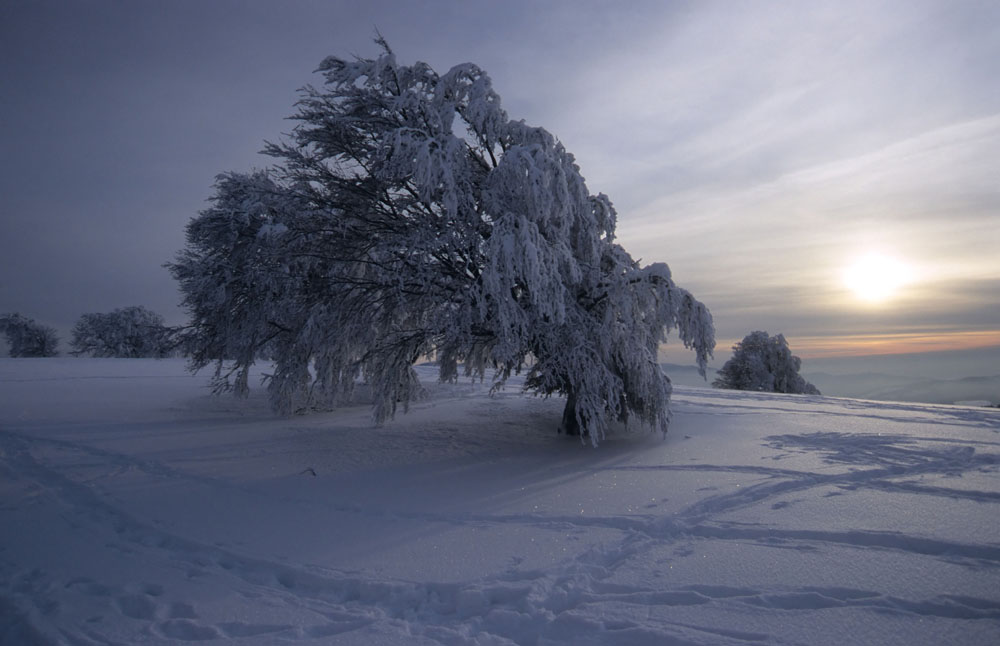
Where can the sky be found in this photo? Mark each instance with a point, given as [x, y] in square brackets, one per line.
[769, 152]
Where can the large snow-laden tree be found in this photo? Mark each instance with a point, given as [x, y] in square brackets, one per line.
[408, 216]
[764, 363]
[27, 338]
[127, 332]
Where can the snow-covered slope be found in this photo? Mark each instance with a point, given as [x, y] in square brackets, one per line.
[136, 508]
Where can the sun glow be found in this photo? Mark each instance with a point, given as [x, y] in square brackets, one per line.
[876, 278]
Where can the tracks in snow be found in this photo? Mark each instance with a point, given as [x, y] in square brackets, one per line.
[580, 596]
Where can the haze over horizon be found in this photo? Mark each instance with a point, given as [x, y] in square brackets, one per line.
[825, 170]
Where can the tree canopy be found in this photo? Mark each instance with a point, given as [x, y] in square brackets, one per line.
[407, 216]
[127, 332]
[27, 338]
[764, 363]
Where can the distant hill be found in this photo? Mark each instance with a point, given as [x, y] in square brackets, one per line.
[872, 385]
[687, 375]
[908, 389]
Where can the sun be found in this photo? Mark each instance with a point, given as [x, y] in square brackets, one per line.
[876, 277]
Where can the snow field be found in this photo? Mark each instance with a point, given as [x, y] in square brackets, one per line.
[136, 508]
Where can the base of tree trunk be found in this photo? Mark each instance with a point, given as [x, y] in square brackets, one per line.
[570, 425]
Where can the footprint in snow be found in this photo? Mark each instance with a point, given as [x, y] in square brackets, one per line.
[187, 630]
[136, 606]
[181, 610]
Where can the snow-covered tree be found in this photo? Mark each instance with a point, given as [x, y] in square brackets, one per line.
[27, 338]
[128, 332]
[764, 363]
[407, 217]
[241, 274]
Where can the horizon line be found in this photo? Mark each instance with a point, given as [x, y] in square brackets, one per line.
[870, 345]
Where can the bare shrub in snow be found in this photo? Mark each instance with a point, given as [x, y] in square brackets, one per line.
[27, 338]
[764, 363]
[408, 217]
[127, 332]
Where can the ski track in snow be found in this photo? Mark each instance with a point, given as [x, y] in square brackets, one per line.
[612, 590]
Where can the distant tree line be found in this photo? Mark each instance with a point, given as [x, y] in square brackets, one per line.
[128, 332]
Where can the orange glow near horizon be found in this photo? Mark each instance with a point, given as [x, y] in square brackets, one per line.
[859, 345]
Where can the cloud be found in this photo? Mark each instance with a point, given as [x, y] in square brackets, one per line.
[930, 199]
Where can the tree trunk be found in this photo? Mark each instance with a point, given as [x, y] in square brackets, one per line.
[570, 425]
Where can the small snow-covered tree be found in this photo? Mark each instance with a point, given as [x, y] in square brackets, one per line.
[763, 363]
[128, 332]
[27, 338]
[408, 216]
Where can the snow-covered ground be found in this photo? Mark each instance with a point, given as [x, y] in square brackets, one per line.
[136, 508]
